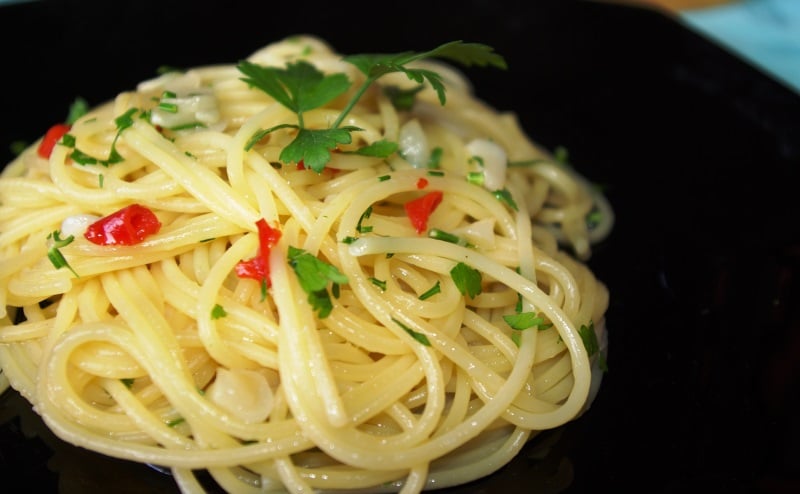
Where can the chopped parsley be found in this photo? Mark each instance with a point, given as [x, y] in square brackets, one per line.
[360, 228]
[314, 275]
[504, 196]
[122, 122]
[467, 279]
[526, 320]
[379, 283]
[218, 312]
[414, 334]
[589, 338]
[54, 252]
[430, 292]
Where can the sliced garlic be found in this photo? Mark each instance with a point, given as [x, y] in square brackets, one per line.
[413, 145]
[491, 159]
[193, 108]
[245, 394]
[76, 225]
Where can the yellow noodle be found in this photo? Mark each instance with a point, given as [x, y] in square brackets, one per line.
[160, 353]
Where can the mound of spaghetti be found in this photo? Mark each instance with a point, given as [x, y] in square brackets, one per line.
[302, 271]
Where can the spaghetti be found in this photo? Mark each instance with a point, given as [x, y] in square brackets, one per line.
[403, 320]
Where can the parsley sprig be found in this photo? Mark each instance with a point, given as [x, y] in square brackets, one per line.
[301, 87]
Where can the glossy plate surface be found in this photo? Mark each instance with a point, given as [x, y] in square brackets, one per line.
[698, 153]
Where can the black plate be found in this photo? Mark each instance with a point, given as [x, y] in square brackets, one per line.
[699, 153]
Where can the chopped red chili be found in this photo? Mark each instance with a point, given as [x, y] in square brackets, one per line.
[422, 183]
[421, 208]
[257, 267]
[50, 139]
[128, 226]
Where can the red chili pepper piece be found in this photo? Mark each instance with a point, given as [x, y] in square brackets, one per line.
[50, 139]
[422, 183]
[257, 267]
[128, 226]
[421, 208]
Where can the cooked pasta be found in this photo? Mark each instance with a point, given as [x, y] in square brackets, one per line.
[379, 346]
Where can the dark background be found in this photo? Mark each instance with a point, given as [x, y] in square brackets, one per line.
[698, 153]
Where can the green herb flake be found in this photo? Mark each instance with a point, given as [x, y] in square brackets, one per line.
[589, 338]
[438, 234]
[127, 381]
[421, 338]
[593, 218]
[68, 140]
[54, 252]
[176, 422]
[168, 107]
[77, 109]
[378, 149]
[526, 320]
[218, 312]
[504, 196]
[436, 288]
[379, 283]
[314, 275]
[467, 279]
[360, 228]
[434, 162]
[475, 178]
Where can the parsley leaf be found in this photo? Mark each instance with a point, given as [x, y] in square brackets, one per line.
[467, 279]
[314, 275]
[299, 87]
[378, 149]
[313, 147]
[218, 312]
[525, 320]
[467, 54]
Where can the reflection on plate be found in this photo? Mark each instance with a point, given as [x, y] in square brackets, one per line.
[40, 458]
